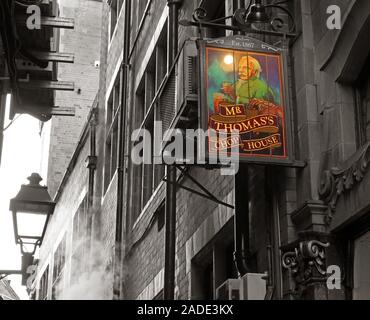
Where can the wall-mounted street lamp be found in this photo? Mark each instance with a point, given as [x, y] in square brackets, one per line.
[31, 210]
[257, 13]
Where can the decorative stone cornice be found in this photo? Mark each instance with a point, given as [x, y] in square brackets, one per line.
[341, 179]
[310, 216]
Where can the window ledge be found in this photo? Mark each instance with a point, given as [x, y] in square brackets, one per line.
[154, 195]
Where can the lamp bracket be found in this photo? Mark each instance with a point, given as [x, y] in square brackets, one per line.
[281, 20]
[5, 273]
[22, 244]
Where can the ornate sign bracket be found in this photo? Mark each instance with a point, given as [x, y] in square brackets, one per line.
[205, 193]
[254, 18]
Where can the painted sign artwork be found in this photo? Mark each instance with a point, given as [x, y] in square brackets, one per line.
[245, 93]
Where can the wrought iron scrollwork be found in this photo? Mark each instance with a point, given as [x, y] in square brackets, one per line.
[343, 178]
[278, 25]
[199, 14]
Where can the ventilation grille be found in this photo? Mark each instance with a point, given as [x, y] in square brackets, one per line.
[192, 83]
[167, 102]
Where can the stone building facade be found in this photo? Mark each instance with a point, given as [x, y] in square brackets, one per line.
[300, 224]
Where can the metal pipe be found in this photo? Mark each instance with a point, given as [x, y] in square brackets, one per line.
[117, 267]
[200, 194]
[170, 235]
[8, 272]
[269, 230]
[92, 164]
[92, 161]
[241, 221]
[241, 217]
[2, 121]
[170, 209]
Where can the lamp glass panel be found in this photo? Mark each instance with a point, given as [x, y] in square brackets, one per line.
[30, 224]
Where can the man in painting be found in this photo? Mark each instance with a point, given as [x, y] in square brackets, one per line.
[251, 89]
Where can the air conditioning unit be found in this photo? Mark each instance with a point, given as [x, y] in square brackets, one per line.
[229, 290]
[187, 79]
[252, 286]
[178, 104]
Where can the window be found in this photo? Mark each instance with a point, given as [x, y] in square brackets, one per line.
[59, 264]
[43, 289]
[361, 275]
[111, 138]
[147, 177]
[141, 5]
[353, 247]
[80, 241]
[204, 274]
[115, 9]
[362, 88]
[211, 268]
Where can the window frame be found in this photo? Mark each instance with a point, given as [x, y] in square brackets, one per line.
[113, 109]
[44, 285]
[141, 10]
[146, 94]
[362, 111]
[346, 245]
[80, 231]
[59, 263]
[118, 7]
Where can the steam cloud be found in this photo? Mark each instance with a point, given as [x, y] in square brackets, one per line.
[91, 274]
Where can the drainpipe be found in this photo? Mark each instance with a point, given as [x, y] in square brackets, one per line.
[92, 160]
[170, 209]
[2, 120]
[241, 217]
[270, 280]
[91, 165]
[241, 221]
[117, 267]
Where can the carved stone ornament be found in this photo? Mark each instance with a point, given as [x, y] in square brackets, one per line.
[307, 262]
[341, 179]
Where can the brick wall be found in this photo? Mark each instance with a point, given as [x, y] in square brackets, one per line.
[61, 223]
[84, 42]
[66, 132]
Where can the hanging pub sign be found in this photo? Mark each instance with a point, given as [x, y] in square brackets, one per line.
[243, 90]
